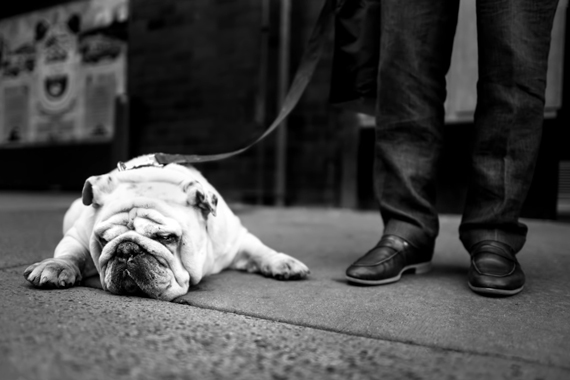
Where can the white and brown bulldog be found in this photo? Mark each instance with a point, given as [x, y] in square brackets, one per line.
[154, 231]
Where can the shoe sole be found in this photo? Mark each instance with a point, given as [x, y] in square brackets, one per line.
[495, 292]
[418, 269]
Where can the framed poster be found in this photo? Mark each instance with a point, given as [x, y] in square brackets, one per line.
[61, 69]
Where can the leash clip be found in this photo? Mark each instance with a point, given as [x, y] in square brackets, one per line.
[149, 161]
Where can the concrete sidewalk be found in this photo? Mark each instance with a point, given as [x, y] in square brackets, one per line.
[243, 326]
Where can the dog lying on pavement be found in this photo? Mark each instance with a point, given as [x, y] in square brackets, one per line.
[154, 231]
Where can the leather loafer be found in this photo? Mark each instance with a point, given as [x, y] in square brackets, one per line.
[494, 269]
[386, 262]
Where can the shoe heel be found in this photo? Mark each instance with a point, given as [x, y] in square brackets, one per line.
[422, 268]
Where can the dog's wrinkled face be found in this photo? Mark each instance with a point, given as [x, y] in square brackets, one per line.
[140, 248]
[149, 237]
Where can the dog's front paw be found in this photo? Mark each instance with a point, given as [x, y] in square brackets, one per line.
[53, 273]
[285, 267]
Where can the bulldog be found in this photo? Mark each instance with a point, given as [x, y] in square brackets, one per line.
[154, 231]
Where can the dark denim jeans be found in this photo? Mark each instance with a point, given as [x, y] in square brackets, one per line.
[415, 51]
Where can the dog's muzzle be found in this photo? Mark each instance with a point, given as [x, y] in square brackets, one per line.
[127, 250]
[133, 270]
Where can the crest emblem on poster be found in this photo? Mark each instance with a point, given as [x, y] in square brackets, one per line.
[61, 69]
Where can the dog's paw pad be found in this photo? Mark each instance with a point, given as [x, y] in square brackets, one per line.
[52, 273]
[285, 267]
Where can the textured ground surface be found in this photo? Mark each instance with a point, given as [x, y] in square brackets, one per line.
[243, 326]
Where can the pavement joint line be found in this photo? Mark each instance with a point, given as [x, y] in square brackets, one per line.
[320, 328]
[407, 342]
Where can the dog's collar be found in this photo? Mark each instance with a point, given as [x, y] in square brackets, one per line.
[150, 161]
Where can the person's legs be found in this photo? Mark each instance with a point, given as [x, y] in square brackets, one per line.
[513, 42]
[416, 43]
[416, 40]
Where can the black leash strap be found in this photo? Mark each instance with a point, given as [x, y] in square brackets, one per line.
[311, 57]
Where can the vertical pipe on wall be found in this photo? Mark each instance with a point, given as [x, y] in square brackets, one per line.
[120, 150]
[282, 85]
[261, 103]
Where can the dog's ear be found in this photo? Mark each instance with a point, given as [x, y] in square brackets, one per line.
[198, 197]
[95, 188]
[74, 23]
[42, 27]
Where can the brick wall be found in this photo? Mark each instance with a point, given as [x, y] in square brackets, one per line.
[193, 79]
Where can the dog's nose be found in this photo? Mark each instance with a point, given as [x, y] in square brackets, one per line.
[127, 249]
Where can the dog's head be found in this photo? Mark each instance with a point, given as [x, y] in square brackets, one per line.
[150, 230]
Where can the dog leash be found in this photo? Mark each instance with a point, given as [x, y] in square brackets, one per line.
[311, 56]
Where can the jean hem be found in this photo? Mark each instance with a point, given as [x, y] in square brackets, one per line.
[472, 237]
[411, 233]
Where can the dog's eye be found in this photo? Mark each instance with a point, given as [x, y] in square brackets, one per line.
[167, 239]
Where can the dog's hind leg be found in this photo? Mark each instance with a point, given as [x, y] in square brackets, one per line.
[255, 257]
